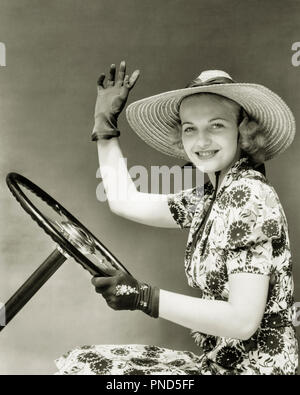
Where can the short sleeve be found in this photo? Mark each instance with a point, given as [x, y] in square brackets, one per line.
[183, 204]
[254, 222]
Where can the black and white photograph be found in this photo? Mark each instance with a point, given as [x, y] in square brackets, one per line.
[149, 189]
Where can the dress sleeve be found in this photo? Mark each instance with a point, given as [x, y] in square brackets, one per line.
[183, 205]
[255, 220]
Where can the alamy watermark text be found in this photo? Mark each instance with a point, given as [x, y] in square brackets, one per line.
[2, 55]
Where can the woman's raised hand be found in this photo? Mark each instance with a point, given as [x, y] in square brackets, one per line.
[111, 100]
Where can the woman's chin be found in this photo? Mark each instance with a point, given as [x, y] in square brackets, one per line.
[212, 165]
[207, 167]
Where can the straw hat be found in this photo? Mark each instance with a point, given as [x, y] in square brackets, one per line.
[154, 118]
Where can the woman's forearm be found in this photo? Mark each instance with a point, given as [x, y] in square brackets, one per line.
[213, 317]
[117, 182]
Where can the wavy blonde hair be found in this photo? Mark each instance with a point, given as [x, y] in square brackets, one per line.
[251, 136]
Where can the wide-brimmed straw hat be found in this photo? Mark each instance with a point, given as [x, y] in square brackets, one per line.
[156, 118]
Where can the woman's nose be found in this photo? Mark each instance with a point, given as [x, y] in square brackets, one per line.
[202, 139]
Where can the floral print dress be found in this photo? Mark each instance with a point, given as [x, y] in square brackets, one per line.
[245, 231]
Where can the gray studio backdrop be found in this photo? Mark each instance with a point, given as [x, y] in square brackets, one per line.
[55, 50]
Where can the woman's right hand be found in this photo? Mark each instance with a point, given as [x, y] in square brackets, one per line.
[123, 197]
[111, 100]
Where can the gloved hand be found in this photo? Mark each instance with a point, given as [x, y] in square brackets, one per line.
[111, 101]
[123, 292]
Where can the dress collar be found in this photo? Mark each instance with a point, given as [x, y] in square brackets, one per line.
[244, 166]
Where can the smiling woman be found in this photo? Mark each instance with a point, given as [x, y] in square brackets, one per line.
[247, 134]
[238, 251]
[210, 131]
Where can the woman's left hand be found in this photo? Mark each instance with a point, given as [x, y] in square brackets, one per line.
[121, 291]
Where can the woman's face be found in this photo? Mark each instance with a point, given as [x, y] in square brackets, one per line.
[210, 131]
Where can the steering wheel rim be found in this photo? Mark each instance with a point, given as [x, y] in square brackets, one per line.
[14, 180]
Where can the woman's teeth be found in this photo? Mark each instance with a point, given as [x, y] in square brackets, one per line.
[206, 154]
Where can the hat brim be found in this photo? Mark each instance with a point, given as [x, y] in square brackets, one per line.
[155, 118]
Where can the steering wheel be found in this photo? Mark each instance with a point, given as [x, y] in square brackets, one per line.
[72, 238]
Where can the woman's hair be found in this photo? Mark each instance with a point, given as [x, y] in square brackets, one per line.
[251, 135]
[252, 138]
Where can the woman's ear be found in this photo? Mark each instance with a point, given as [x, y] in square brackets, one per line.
[244, 120]
[178, 132]
[242, 116]
[180, 145]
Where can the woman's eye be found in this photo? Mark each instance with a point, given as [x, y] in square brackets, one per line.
[188, 130]
[218, 125]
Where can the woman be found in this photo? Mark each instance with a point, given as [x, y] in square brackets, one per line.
[238, 251]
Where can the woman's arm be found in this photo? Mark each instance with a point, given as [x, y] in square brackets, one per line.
[238, 318]
[123, 197]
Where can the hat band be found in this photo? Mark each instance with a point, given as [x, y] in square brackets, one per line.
[211, 81]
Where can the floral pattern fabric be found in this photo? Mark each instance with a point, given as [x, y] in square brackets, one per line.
[246, 231]
[133, 359]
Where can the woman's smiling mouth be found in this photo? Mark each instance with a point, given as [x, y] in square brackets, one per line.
[206, 154]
